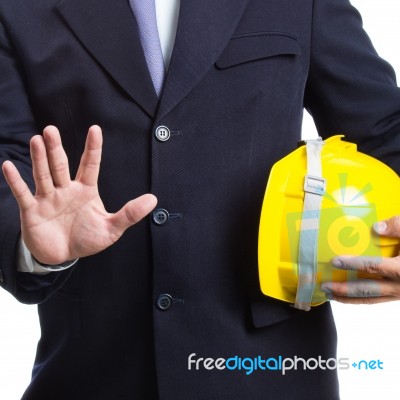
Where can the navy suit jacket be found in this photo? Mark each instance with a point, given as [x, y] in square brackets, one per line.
[241, 73]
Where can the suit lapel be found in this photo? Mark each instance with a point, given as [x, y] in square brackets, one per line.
[108, 30]
[204, 29]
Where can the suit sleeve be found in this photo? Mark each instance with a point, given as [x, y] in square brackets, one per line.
[350, 89]
[17, 126]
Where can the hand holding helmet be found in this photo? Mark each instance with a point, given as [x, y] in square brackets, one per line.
[369, 291]
[320, 237]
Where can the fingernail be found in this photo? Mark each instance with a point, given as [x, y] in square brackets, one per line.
[338, 263]
[380, 227]
[327, 289]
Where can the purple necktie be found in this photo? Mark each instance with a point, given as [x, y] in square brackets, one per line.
[145, 13]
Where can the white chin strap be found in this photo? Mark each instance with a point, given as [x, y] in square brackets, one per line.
[314, 188]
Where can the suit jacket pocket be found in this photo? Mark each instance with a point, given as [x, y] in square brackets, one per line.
[266, 311]
[257, 46]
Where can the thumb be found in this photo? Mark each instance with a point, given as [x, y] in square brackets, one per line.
[133, 211]
[389, 227]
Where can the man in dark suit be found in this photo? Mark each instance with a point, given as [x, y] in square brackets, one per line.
[137, 320]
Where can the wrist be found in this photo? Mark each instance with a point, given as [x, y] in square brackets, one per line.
[28, 263]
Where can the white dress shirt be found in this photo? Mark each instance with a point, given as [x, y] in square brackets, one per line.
[167, 22]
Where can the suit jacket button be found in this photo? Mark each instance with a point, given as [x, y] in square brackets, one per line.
[162, 133]
[160, 216]
[164, 302]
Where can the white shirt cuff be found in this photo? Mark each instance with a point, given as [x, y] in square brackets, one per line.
[27, 263]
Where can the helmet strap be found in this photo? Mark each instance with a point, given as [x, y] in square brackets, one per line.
[314, 189]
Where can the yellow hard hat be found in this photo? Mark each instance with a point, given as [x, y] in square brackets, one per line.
[322, 201]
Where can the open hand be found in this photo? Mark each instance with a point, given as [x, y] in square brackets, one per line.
[66, 219]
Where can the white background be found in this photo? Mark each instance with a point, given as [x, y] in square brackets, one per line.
[365, 332]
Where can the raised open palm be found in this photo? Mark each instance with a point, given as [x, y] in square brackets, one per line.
[66, 219]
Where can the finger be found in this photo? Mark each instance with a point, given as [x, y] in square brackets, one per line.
[57, 159]
[362, 288]
[382, 266]
[364, 300]
[389, 227]
[131, 213]
[18, 186]
[40, 166]
[89, 167]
